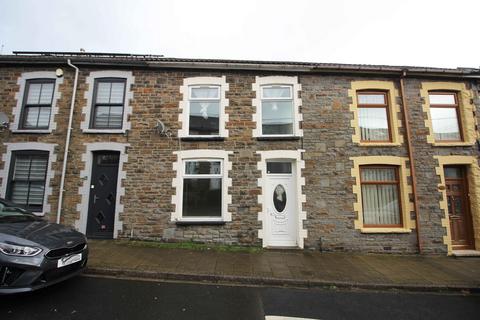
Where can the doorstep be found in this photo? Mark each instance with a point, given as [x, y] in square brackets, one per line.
[465, 253]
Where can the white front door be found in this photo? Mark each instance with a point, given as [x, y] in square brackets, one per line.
[281, 205]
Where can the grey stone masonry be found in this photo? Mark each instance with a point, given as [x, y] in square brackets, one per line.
[327, 141]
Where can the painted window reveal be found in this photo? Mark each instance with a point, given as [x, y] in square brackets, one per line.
[444, 112]
[380, 196]
[37, 104]
[27, 179]
[373, 116]
[277, 110]
[204, 114]
[108, 103]
[202, 188]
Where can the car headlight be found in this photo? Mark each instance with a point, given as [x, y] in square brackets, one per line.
[21, 251]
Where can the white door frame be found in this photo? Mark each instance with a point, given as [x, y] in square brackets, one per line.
[295, 156]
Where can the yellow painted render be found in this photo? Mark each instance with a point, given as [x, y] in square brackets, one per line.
[466, 108]
[405, 191]
[473, 173]
[394, 109]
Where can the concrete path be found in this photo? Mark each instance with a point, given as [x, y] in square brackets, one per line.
[294, 268]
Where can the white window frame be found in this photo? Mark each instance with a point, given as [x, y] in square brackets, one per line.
[127, 108]
[25, 146]
[277, 81]
[177, 183]
[19, 96]
[289, 98]
[184, 105]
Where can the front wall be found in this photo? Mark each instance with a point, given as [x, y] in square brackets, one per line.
[327, 141]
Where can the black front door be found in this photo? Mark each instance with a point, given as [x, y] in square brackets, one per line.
[103, 195]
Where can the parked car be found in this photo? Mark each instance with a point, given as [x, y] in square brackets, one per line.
[35, 253]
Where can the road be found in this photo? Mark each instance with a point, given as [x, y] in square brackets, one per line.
[105, 298]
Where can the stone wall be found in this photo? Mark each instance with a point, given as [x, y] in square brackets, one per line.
[327, 141]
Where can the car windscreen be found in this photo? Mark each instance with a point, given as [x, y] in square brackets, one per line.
[12, 213]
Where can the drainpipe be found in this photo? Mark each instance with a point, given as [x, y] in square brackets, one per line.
[67, 142]
[406, 120]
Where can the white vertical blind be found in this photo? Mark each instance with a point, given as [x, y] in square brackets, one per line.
[380, 201]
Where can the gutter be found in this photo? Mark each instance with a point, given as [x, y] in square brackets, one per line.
[243, 65]
[67, 142]
[413, 175]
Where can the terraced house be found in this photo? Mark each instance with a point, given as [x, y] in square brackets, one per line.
[279, 154]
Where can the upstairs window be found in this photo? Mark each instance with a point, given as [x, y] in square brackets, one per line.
[444, 112]
[108, 103]
[27, 179]
[204, 114]
[277, 110]
[37, 104]
[373, 116]
[380, 196]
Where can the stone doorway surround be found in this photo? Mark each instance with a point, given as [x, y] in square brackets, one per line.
[292, 155]
[86, 175]
[473, 178]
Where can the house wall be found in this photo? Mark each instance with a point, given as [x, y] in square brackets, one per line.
[327, 141]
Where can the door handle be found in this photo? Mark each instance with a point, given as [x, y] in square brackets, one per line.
[95, 198]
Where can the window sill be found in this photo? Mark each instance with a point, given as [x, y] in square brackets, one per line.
[454, 144]
[116, 131]
[202, 138]
[379, 144]
[41, 131]
[197, 223]
[385, 230]
[279, 138]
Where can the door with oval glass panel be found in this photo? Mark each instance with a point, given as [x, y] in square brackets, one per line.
[458, 207]
[103, 195]
[281, 204]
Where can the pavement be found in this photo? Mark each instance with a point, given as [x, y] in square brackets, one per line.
[296, 268]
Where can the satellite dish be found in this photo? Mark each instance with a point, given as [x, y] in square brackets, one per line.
[3, 121]
[3, 118]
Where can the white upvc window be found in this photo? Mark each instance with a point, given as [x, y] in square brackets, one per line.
[277, 110]
[202, 189]
[202, 184]
[277, 107]
[203, 108]
[204, 111]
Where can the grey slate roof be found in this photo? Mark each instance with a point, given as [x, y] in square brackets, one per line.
[158, 61]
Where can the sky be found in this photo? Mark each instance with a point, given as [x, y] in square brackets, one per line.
[436, 33]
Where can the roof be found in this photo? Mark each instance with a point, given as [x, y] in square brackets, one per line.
[159, 61]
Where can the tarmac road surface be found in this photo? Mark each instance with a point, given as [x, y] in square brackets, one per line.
[88, 297]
